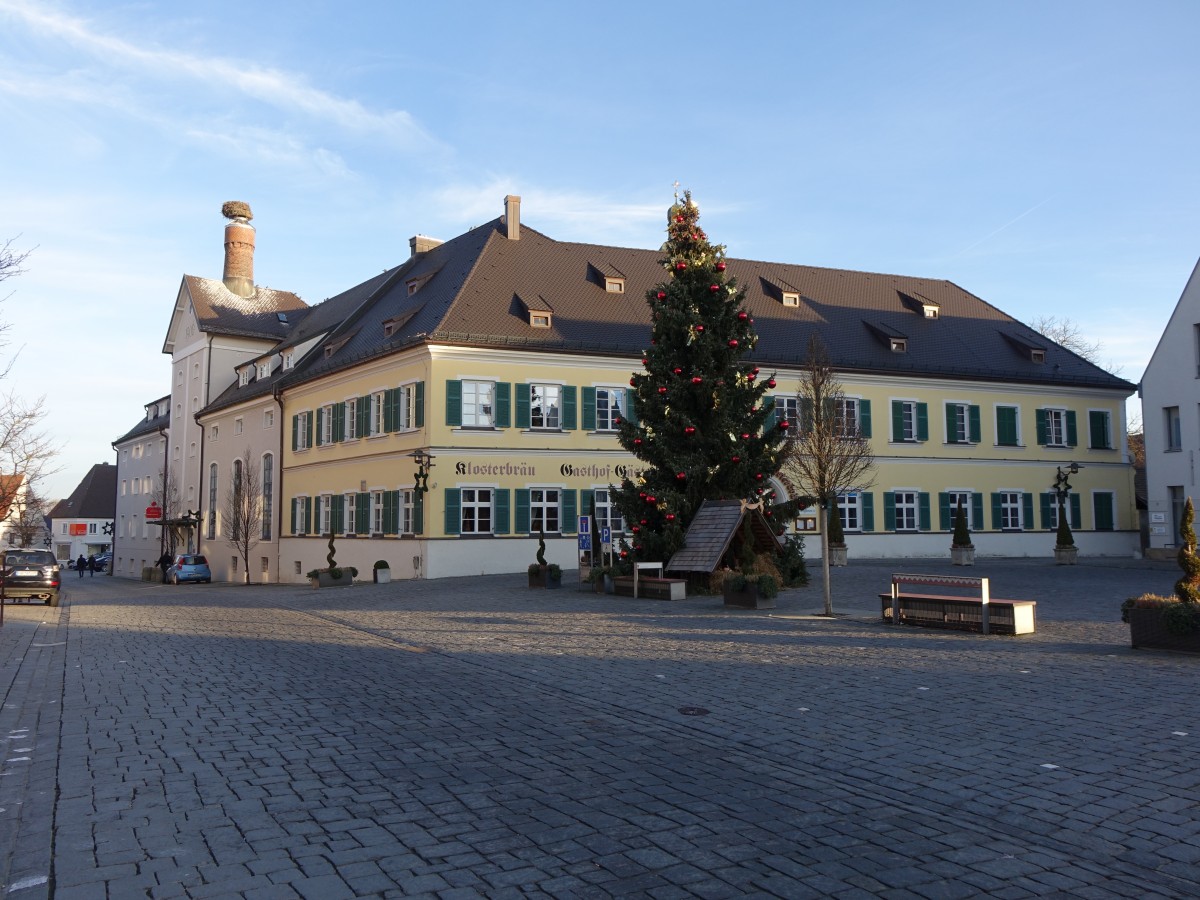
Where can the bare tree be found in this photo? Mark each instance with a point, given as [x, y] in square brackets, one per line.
[25, 451]
[29, 518]
[829, 454]
[166, 496]
[1067, 334]
[243, 513]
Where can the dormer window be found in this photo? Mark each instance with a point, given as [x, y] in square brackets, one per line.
[614, 285]
[539, 319]
[1037, 356]
[539, 313]
[931, 312]
[791, 298]
[264, 370]
[244, 376]
[289, 359]
[389, 329]
[898, 344]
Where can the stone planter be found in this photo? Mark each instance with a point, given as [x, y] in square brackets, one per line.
[543, 579]
[1066, 556]
[1147, 631]
[748, 597]
[383, 576]
[324, 579]
[837, 555]
[962, 556]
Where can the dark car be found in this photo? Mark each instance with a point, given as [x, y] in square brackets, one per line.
[189, 567]
[30, 575]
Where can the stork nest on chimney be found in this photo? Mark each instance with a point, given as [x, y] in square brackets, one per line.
[236, 209]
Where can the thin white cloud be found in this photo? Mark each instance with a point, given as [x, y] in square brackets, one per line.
[283, 90]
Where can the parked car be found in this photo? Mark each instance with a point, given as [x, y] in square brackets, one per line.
[189, 567]
[30, 575]
[103, 561]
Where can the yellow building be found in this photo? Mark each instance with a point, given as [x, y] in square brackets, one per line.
[504, 357]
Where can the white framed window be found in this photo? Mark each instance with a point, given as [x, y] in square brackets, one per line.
[610, 408]
[244, 376]
[405, 414]
[476, 511]
[324, 513]
[213, 432]
[1056, 427]
[849, 507]
[238, 426]
[298, 506]
[958, 423]
[375, 422]
[268, 418]
[349, 507]
[1174, 428]
[907, 510]
[477, 405]
[964, 497]
[606, 512]
[123, 486]
[289, 359]
[352, 419]
[545, 406]
[1010, 511]
[302, 430]
[326, 436]
[406, 511]
[906, 421]
[376, 512]
[543, 510]
[847, 413]
[264, 370]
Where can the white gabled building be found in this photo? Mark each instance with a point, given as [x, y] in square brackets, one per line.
[1170, 392]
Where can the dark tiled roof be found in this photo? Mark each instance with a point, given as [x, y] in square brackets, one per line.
[483, 285]
[220, 311]
[95, 498]
[146, 426]
[713, 529]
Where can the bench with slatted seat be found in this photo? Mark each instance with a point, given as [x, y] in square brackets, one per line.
[977, 611]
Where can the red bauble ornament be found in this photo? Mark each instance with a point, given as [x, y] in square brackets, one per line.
[644, 521]
[651, 499]
[689, 430]
[756, 370]
[771, 383]
[696, 379]
[642, 494]
[624, 554]
[635, 529]
[745, 436]
[784, 424]
[631, 382]
[678, 371]
[720, 267]
[662, 390]
[713, 288]
[670, 517]
[662, 295]
[758, 476]
[751, 376]
[679, 218]
[653, 341]
[700, 329]
[735, 459]
[616, 420]
[637, 442]
[681, 476]
[680, 266]
[733, 342]
[742, 317]
[645, 361]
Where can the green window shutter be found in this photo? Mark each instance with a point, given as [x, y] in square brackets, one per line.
[503, 400]
[1006, 426]
[976, 510]
[418, 518]
[974, 428]
[1072, 429]
[337, 517]
[500, 511]
[864, 418]
[522, 515]
[362, 513]
[569, 515]
[587, 506]
[320, 423]
[889, 511]
[453, 505]
[570, 403]
[1026, 511]
[1047, 504]
[419, 405]
[997, 513]
[293, 506]
[364, 416]
[295, 437]
[1041, 427]
[308, 505]
[1075, 504]
[1098, 429]
[523, 405]
[923, 523]
[453, 406]
[951, 423]
[391, 512]
[391, 403]
[630, 414]
[922, 421]
[1104, 511]
[339, 422]
[897, 420]
[772, 410]
[945, 514]
[868, 512]
[589, 409]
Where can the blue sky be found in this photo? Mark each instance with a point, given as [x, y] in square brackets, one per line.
[1041, 155]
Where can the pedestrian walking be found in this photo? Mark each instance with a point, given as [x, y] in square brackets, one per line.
[164, 563]
[80, 565]
[91, 564]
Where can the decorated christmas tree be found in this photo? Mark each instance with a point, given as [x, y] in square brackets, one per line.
[703, 428]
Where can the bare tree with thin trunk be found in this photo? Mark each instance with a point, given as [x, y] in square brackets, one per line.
[25, 450]
[828, 455]
[243, 513]
[29, 518]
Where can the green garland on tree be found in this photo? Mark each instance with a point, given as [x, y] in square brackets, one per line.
[702, 427]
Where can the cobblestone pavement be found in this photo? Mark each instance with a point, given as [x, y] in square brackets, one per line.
[474, 738]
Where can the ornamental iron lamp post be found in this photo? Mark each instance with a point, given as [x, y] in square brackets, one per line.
[1065, 551]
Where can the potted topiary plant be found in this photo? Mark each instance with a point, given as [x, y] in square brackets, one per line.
[541, 573]
[1065, 551]
[962, 551]
[332, 575]
[382, 571]
[1170, 623]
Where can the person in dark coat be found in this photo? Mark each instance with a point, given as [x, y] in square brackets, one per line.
[91, 564]
[164, 563]
[80, 565]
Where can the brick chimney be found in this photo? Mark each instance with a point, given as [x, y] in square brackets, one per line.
[512, 217]
[239, 248]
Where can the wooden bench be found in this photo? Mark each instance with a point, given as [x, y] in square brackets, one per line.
[976, 612]
[655, 587]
